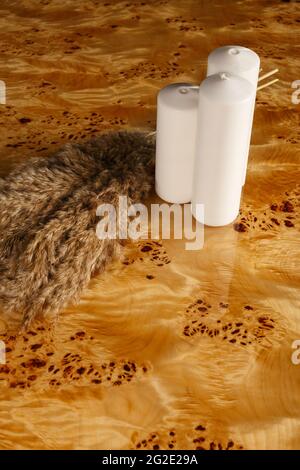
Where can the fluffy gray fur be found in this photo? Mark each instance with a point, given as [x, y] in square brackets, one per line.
[49, 249]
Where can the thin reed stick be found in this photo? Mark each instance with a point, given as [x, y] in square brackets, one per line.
[267, 84]
[267, 75]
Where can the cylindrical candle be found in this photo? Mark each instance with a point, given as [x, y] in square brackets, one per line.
[177, 109]
[224, 123]
[239, 61]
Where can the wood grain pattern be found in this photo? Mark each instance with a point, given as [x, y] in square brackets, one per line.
[169, 348]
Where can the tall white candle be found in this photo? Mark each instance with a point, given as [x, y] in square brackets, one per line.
[239, 61]
[177, 109]
[224, 123]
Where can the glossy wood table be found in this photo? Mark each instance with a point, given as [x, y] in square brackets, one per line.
[169, 348]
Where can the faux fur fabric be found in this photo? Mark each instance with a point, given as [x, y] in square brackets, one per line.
[49, 249]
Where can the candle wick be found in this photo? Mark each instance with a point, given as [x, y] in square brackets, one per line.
[224, 76]
[234, 51]
[186, 89]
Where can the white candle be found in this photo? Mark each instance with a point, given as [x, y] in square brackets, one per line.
[177, 109]
[224, 123]
[239, 61]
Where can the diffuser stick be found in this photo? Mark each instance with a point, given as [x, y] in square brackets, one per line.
[261, 87]
[267, 75]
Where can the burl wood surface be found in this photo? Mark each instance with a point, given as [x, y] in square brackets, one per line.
[168, 349]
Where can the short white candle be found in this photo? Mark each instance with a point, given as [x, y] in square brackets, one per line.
[177, 109]
[239, 61]
[224, 124]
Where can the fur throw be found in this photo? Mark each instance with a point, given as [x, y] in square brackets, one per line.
[49, 248]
